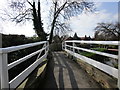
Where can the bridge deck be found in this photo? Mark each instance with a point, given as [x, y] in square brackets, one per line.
[65, 73]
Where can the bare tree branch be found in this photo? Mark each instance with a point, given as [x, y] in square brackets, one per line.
[107, 31]
[69, 9]
[30, 3]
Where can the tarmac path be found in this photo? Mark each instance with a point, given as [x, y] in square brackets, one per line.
[64, 73]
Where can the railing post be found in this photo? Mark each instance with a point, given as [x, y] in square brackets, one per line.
[65, 45]
[0, 71]
[45, 47]
[4, 81]
[73, 45]
[48, 46]
[119, 65]
[62, 45]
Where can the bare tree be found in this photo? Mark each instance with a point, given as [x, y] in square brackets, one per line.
[16, 11]
[62, 11]
[21, 13]
[67, 9]
[107, 31]
[37, 21]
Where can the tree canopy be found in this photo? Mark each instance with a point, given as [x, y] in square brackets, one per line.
[107, 31]
[61, 11]
[64, 10]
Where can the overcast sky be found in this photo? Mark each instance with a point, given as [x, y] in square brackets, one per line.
[83, 24]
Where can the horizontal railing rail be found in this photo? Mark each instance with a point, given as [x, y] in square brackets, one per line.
[4, 66]
[72, 45]
[15, 48]
[96, 42]
[96, 52]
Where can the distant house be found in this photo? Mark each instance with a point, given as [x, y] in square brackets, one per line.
[69, 38]
[76, 37]
[86, 38]
[64, 38]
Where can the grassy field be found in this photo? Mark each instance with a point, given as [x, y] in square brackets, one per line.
[100, 58]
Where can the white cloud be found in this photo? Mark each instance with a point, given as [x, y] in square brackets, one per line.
[8, 27]
[116, 17]
[104, 0]
[11, 28]
[98, 4]
[84, 24]
[2, 3]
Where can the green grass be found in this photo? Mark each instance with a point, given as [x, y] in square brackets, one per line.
[99, 49]
[95, 56]
[87, 54]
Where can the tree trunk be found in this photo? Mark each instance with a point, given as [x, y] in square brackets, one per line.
[38, 23]
[56, 14]
[51, 34]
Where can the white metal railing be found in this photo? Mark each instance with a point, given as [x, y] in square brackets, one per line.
[106, 68]
[4, 66]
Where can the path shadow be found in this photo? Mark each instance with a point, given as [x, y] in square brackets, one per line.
[49, 80]
[61, 80]
[58, 61]
[73, 81]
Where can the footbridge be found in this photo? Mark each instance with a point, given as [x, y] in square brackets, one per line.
[69, 68]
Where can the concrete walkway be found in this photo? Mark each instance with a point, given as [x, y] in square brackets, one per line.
[65, 73]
